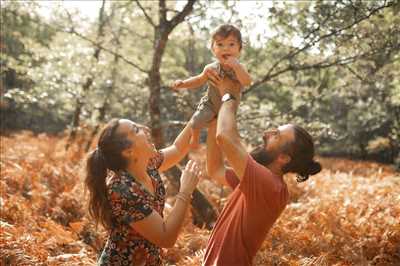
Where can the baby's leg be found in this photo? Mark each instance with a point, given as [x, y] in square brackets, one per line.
[203, 115]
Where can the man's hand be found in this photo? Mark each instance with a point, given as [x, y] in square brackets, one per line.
[227, 85]
[211, 73]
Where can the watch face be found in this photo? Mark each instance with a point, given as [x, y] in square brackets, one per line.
[227, 97]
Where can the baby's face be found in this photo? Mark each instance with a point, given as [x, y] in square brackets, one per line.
[223, 48]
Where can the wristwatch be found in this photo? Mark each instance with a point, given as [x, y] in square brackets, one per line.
[227, 96]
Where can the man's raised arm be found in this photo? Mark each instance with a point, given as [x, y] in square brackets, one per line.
[228, 138]
[215, 163]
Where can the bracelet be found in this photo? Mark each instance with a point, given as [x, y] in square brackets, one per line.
[182, 196]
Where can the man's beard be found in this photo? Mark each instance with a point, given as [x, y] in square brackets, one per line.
[261, 156]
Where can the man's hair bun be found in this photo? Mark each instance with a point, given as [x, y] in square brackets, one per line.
[314, 168]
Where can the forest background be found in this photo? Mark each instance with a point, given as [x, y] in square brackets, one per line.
[331, 66]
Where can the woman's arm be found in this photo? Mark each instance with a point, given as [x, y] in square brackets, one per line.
[164, 232]
[175, 152]
[215, 163]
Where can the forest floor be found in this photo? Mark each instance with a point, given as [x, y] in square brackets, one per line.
[349, 214]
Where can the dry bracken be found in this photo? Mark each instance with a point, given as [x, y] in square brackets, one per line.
[349, 214]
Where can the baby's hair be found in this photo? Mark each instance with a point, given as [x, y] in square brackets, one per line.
[224, 31]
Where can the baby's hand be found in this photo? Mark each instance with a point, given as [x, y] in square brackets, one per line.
[178, 84]
[231, 62]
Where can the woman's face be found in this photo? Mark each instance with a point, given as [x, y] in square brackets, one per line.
[140, 136]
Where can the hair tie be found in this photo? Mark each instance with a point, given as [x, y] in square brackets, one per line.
[100, 153]
[98, 149]
[301, 178]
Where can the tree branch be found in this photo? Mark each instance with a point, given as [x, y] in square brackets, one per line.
[319, 65]
[178, 18]
[73, 31]
[102, 21]
[362, 79]
[145, 13]
[309, 44]
[108, 50]
[141, 36]
[162, 12]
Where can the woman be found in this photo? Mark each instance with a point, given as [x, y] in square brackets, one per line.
[130, 203]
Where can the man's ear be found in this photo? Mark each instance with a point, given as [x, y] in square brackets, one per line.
[284, 158]
[127, 153]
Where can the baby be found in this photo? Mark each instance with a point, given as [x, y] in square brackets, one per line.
[226, 45]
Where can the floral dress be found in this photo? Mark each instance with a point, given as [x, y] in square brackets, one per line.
[131, 202]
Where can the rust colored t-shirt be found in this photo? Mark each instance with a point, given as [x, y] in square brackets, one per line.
[254, 205]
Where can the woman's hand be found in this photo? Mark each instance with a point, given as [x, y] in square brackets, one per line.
[164, 232]
[190, 177]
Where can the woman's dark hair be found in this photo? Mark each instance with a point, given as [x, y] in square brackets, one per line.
[301, 151]
[224, 31]
[107, 156]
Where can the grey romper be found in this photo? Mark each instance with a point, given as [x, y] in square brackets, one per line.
[210, 103]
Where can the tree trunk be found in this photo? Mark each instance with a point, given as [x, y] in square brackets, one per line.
[204, 214]
[190, 52]
[77, 113]
[109, 87]
[160, 41]
[104, 107]
[88, 83]
[161, 33]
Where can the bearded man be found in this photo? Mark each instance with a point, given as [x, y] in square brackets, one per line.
[259, 193]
